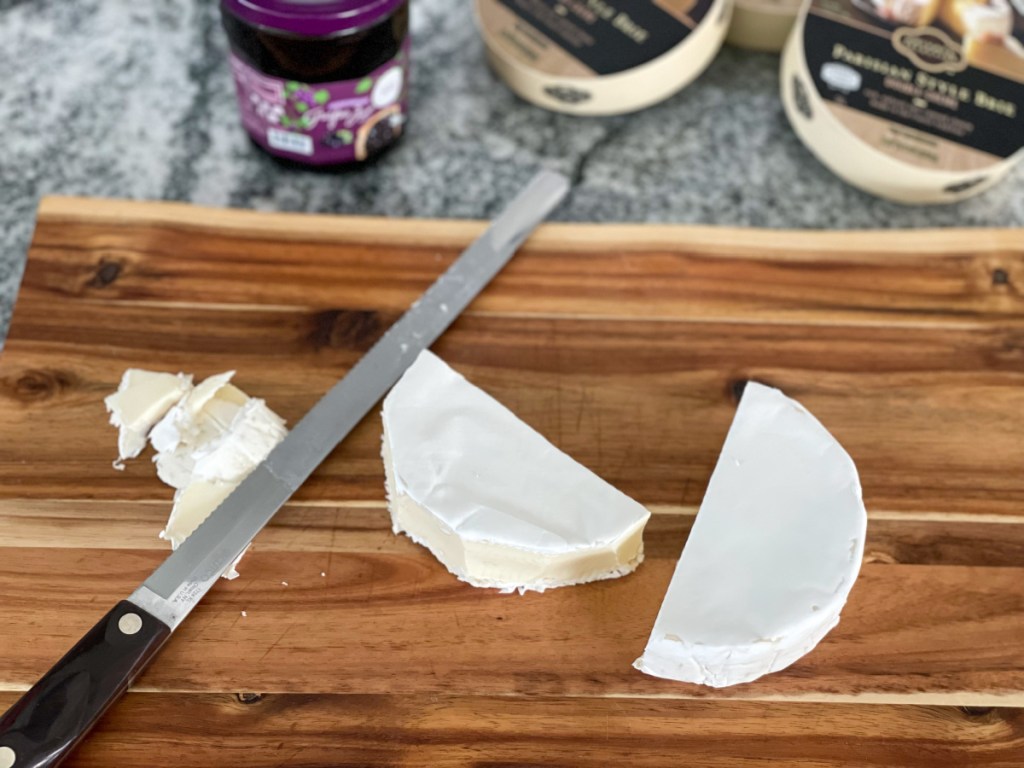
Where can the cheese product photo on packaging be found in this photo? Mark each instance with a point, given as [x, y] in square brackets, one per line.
[762, 25]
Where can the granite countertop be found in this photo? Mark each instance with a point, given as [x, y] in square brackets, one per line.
[120, 98]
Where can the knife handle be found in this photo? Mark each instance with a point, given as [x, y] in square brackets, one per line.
[45, 725]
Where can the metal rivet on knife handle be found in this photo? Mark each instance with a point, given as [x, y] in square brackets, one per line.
[130, 623]
[7, 757]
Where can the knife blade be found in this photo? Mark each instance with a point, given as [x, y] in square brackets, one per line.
[43, 727]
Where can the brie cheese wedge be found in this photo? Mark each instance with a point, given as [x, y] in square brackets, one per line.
[773, 553]
[991, 21]
[141, 400]
[491, 498]
[208, 438]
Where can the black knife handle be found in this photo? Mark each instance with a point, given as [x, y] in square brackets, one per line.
[45, 725]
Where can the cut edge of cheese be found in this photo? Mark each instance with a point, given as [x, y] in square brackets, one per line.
[772, 556]
[488, 565]
[446, 495]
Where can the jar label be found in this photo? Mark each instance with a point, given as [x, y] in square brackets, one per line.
[938, 84]
[589, 38]
[324, 123]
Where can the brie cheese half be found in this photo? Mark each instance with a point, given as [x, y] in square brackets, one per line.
[773, 553]
[491, 498]
[141, 400]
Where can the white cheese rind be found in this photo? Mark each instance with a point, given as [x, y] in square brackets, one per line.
[773, 553]
[202, 417]
[141, 400]
[497, 503]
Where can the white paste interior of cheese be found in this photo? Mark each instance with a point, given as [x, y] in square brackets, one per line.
[141, 400]
[772, 555]
[494, 500]
[192, 505]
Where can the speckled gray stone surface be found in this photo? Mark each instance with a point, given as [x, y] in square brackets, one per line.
[122, 98]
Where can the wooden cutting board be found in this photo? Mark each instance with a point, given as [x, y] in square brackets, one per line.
[625, 345]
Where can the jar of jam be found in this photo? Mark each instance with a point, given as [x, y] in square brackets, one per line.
[320, 82]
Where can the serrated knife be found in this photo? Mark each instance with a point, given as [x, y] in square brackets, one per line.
[45, 725]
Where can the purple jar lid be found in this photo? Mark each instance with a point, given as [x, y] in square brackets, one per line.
[313, 18]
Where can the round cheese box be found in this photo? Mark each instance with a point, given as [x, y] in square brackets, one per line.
[601, 57]
[918, 101]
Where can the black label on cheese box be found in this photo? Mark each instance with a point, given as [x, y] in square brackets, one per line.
[951, 69]
[592, 37]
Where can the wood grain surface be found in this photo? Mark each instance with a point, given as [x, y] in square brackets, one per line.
[625, 345]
